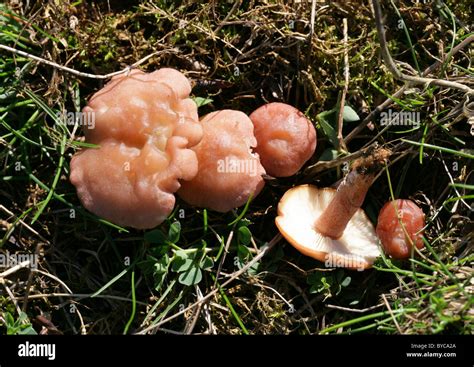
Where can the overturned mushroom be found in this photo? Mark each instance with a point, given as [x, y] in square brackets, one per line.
[229, 172]
[145, 125]
[329, 225]
[399, 227]
[286, 139]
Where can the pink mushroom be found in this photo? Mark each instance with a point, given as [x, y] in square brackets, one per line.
[286, 138]
[399, 227]
[229, 172]
[330, 225]
[145, 125]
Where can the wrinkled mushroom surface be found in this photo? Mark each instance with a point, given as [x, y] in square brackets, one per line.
[145, 125]
[229, 171]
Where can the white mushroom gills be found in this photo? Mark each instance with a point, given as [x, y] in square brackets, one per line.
[298, 211]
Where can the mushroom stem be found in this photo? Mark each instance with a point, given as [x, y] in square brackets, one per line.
[350, 195]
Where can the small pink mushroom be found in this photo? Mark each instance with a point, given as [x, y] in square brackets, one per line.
[229, 172]
[399, 227]
[286, 138]
[145, 125]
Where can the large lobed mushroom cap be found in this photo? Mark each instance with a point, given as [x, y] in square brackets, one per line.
[286, 138]
[145, 125]
[229, 172]
[298, 210]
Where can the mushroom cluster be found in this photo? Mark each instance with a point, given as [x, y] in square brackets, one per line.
[237, 150]
[152, 145]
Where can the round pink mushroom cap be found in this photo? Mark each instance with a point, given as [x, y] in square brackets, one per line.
[399, 227]
[286, 138]
[229, 172]
[145, 125]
